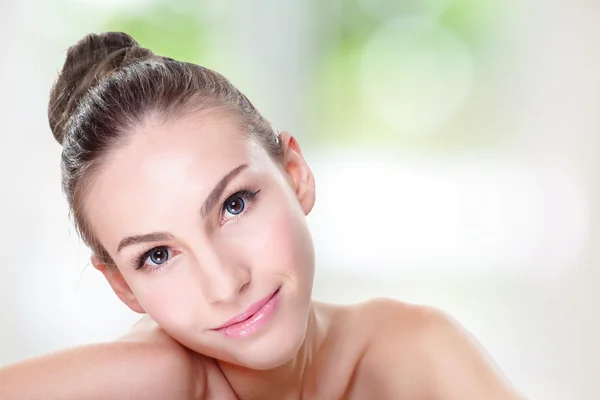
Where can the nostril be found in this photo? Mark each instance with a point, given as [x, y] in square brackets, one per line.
[244, 285]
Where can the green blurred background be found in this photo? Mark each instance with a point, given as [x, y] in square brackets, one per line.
[454, 144]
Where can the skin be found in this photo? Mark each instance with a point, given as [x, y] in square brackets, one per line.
[219, 264]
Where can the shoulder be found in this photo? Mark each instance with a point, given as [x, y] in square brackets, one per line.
[421, 352]
[408, 324]
[165, 363]
[398, 321]
[389, 312]
[142, 365]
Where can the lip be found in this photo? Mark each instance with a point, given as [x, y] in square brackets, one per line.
[250, 321]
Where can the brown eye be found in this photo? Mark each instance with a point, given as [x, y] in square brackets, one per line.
[235, 205]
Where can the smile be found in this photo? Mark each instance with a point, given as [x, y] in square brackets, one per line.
[253, 319]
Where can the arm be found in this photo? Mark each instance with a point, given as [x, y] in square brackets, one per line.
[424, 354]
[143, 365]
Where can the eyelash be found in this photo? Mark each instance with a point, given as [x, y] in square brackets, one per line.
[238, 193]
[141, 258]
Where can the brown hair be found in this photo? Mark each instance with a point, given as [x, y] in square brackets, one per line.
[108, 85]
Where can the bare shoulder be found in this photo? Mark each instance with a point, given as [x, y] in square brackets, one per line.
[183, 373]
[143, 364]
[390, 317]
[389, 312]
[421, 352]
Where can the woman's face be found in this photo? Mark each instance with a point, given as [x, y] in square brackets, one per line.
[204, 227]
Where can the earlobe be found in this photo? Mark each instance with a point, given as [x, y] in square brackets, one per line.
[297, 169]
[118, 284]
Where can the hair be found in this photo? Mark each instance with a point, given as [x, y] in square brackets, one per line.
[108, 85]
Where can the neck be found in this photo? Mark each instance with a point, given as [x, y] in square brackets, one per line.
[285, 381]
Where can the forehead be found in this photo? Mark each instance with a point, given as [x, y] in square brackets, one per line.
[165, 168]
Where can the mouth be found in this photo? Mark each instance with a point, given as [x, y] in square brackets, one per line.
[253, 319]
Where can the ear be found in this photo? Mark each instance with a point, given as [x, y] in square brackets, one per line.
[301, 177]
[119, 286]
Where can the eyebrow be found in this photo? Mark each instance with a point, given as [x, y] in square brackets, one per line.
[217, 192]
[149, 237]
[207, 206]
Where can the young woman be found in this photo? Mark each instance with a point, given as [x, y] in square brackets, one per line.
[194, 208]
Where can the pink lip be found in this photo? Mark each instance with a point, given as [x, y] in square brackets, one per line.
[251, 320]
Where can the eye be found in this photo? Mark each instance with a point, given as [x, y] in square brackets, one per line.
[235, 205]
[157, 256]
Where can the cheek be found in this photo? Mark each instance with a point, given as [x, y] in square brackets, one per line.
[281, 241]
[171, 299]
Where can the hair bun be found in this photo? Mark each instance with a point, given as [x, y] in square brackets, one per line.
[88, 61]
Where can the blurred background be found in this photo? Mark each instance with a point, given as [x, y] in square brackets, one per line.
[455, 145]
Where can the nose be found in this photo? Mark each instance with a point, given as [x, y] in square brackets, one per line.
[223, 278]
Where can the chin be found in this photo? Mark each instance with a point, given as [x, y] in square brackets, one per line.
[267, 352]
[276, 344]
[270, 350]
[273, 354]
